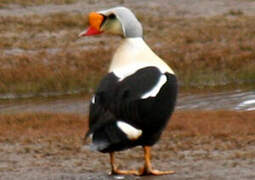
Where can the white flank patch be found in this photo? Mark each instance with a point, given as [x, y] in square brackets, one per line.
[154, 91]
[91, 136]
[93, 100]
[131, 132]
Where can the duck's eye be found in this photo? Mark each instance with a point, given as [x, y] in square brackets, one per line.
[112, 16]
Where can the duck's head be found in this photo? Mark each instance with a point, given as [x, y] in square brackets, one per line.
[118, 21]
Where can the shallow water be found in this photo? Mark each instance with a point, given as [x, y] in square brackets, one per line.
[232, 100]
[68, 105]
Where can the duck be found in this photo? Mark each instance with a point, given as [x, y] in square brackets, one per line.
[134, 101]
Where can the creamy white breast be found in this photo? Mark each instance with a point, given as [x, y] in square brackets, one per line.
[134, 54]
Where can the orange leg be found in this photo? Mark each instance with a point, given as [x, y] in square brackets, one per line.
[146, 170]
[115, 169]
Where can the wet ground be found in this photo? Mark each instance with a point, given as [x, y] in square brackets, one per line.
[206, 158]
[231, 100]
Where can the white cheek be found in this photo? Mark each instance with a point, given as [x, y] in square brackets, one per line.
[131, 132]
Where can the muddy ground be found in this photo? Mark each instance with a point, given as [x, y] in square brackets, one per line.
[192, 157]
[196, 144]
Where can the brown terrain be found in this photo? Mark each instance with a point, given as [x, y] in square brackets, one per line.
[210, 45]
[196, 144]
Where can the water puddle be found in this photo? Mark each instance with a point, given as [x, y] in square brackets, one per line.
[68, 105]
[234, 100]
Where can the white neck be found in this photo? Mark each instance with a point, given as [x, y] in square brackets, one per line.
[134, 54]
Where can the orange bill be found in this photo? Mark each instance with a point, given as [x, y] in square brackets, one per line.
[95, 21]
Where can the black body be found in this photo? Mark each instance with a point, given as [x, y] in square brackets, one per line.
[121, 101]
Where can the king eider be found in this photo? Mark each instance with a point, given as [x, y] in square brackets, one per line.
[135, 100]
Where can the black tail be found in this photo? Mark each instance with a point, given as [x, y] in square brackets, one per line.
[107, 136]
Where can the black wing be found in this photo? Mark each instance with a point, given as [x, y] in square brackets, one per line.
[121, 99]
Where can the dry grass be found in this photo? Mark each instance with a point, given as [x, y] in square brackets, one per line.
[36, 24]
[217, 124]
[65, 72]
[5, 3]
[210, 52]
[38, 128]
[210, 131]
[205, 52]
[32, 128]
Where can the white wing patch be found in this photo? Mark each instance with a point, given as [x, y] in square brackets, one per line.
[131, 132]
[93, 99]
[154, 91]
